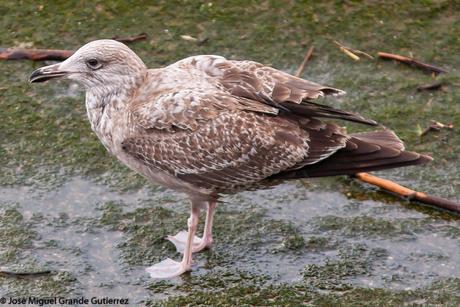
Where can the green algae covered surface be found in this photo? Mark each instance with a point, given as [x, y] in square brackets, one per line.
[68, 207]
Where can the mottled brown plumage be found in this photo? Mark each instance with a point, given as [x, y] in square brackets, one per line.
[207, 125]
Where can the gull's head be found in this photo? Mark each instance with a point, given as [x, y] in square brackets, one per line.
[99, 63]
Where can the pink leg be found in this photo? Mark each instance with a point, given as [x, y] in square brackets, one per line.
[180, 239]
[206, 241]
[169, 268]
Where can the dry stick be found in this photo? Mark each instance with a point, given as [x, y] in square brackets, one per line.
[25, 274]
[352, 53]
[131, 39]
[395, 188]
[408, 193]
[34, 54]
[411, 61]
[430, 87]
[52, 54]
[305, 60]
[436, 126]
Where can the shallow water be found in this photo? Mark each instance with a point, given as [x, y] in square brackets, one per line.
[414, 248]
[66, 206]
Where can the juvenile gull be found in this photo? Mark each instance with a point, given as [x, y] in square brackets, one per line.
[207, 126]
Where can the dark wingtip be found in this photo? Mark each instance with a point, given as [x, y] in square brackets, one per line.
[358, 119]
[332, 91]
[372, 122]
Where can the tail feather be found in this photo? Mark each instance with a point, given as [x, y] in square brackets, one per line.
[384, 138]
[364, 152]
[406, 158]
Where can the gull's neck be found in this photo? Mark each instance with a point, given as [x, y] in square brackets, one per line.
[98, 97]
[106, 105]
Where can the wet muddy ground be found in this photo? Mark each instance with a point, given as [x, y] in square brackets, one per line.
[66, 206]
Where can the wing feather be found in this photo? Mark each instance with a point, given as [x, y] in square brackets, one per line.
[188, 108]
[234, 149]
[276, 88]
[267, 86]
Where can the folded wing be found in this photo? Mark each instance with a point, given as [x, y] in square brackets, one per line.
[273, 87]
[217, 141]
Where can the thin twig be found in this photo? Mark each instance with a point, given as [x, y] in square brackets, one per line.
[411, 61]
[352, 53]
[408, 193]
[131, 39]
[349, 53]
[430, 87]
[199, 41]
[304, 62]
[5, 273]
[436, 126]
[34, 54]
[189, 38]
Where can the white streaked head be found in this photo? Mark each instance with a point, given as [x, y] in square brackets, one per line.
[99, 63]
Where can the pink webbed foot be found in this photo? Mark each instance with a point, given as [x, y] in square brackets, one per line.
[187, 243]
[198, 244]
[168, 268]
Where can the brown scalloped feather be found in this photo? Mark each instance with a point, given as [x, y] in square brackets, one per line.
[364, 152]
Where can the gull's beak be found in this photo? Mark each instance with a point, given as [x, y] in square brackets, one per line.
[48, 72]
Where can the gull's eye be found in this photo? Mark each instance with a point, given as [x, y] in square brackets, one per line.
[93, 64]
